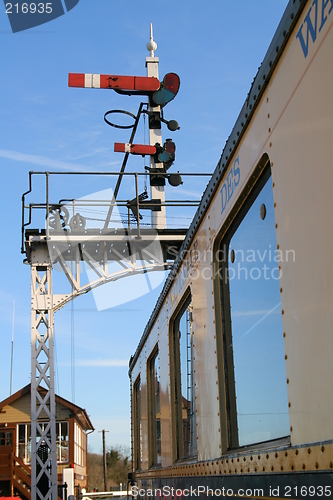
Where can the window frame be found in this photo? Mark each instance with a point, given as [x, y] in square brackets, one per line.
[7, 436]
[137, 423]
[80, 445]
[152, 411]
[175, 381]
[230, 410]
[226, 377]
[27, 442]
[59, 441]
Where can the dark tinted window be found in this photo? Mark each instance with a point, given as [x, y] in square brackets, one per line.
[253, 324]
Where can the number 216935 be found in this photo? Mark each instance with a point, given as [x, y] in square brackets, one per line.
[26, 8]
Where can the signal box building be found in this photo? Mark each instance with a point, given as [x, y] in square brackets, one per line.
[72, 427]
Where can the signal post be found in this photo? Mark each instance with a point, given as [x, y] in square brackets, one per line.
[155, 134]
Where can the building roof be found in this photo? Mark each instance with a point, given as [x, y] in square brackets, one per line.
[75, 410]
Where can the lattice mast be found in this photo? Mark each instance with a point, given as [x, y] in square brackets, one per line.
[44, 478]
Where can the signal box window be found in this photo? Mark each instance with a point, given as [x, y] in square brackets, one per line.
[62, 441]
[252, 335]
[24, 441]
[137, 424]
[182, 383]
[80, 445]
[154, 421]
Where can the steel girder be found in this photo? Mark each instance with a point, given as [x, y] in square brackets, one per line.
[44, 480]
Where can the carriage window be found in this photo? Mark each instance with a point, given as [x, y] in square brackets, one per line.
[185, 441]
[154, 410]
[252, 335]
[137, 424]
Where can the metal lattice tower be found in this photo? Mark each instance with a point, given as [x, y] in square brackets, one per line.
[43, 439]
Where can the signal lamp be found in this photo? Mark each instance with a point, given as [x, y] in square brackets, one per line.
[167, 91]
[175, 179]
[173, 125]
[170, 146]
[167, 155]
[171, 82]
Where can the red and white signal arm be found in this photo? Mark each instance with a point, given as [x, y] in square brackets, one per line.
[128, 83]
[134, 149]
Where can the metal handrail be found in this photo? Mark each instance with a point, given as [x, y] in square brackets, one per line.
[48, 205]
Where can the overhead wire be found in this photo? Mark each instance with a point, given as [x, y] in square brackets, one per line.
[144, 142]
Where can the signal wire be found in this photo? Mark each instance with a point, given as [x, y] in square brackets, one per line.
[72, 344]
[144, 142]
[12, 352]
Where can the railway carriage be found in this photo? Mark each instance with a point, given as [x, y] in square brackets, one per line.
[231, 383]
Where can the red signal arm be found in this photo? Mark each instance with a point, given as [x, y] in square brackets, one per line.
[127, 83]
[134, 149]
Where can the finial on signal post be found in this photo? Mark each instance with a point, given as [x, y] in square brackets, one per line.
[151, 45]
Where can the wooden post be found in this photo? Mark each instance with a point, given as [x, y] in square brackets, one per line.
[104, 457]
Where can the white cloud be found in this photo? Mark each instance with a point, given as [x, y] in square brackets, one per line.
[192, 194]
[41, 160]
[101, 363]
[92, 153]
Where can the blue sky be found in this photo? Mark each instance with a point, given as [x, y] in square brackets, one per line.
[216, 48]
